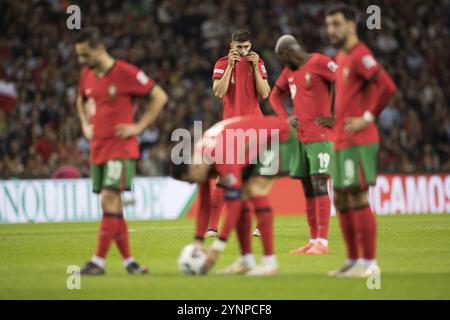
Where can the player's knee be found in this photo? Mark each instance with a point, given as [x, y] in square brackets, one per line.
[340, 201]
[358, 199]
[257, 186]
[110, 200]
[308, 188]
[320, 186]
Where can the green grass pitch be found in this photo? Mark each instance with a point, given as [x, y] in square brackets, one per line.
[414, 258]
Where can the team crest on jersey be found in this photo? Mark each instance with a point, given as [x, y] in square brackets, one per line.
[112, 91]
[346, 73]
[308, 80]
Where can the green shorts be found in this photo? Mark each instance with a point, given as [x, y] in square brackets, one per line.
[315, 159]
[114, 174]
[355, 168]
[279, 161]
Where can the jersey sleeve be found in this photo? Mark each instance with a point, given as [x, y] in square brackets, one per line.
[366, 65]
[262, 69]
[282, 81]
[219, 69]
[326, 69]
[135, 82]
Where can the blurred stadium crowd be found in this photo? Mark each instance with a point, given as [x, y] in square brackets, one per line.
[177, 42]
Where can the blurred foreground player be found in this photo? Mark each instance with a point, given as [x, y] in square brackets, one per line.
[247, 153]
[240, 80]
[309, 79]
[105, 107]
[363, 90]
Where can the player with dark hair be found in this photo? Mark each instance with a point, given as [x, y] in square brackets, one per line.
[240, 79]
[309, 79]
[105, 107]
[247, 153]
[363, 89]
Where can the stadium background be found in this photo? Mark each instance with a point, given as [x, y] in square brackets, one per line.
[176, 43]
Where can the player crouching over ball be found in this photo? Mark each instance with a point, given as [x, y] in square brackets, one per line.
[247, 153]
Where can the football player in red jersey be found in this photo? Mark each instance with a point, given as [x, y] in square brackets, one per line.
[239, 79]
[267, 147]
[309, 79]
[107, 87]
[363, 89]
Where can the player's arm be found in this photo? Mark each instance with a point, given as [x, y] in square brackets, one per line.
[157, 100]
[380, 89]
[277, 103]
[328, 121]
[220, 85]
[261, 84]
[86, 125]
[327, 71]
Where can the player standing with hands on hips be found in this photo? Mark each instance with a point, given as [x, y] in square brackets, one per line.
[106, 110]
[309, 80]
[240, 80]
[363, 89]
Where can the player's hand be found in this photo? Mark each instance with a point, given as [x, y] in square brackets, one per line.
[253, 57]
[88, 131]
[211, 258]
[126, 130]
[293, 121]
[355, 124]
[233, 56]
[327, 122]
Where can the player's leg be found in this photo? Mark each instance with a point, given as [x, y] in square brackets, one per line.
[116, 176]
[122, 238]
[246, 261]
[96, 265]
[233, 200]
[217, 201]
[257, 189]
[361, 168]
[343, 179]
[301, 171]
[319, 156]
[310, 216]
[365, 219]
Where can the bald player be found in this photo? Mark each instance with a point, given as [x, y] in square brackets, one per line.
[308, 78]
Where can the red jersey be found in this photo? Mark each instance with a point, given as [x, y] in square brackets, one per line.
[356, 68]
[111, 97]
[309, 87]
[233, 144]
[241, 98]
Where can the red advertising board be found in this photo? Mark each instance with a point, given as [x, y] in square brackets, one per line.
[393, 194]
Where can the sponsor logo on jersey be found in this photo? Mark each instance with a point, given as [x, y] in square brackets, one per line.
[346, 72]
[112, 90]
[308, 80]
[221, 71]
